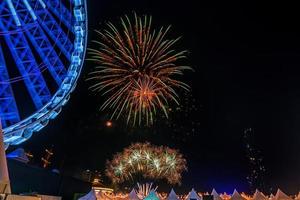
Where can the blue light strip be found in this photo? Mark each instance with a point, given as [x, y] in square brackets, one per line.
[27, 66]
[42, 3]
[47, 53]
[45, 49]
[29, 9]
[49, 24]
[25, 62]
[8, 109]
[13, 12]
[61, 12]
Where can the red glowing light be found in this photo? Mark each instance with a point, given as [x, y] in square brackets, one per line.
[108, 124]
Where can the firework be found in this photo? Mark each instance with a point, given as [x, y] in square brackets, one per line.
[257, 169]
[137, 69]
[143, 190]
[151, 161]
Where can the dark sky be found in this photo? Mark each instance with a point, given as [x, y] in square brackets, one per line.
[246, 56]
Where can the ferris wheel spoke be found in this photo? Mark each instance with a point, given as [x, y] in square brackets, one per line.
[56, 33]
[8, 109]
[44, 48]
[47, 53]
[27, 66]
[61, 12]
[13, 12]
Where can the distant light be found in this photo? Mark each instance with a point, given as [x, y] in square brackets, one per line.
[109, 124]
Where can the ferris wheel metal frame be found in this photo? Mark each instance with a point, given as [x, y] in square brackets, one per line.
[23, 130]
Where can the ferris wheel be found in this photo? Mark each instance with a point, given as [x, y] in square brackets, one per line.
[42, 49]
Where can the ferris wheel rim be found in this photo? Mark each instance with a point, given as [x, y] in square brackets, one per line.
[34, 123]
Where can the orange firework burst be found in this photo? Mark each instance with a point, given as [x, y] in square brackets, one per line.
[137, 69]
[152, 162]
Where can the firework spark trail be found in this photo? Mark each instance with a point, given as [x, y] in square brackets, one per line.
[136, 69]
[151, 161]
[143, 190]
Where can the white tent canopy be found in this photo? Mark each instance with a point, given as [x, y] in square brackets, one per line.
[272, 196]
[298, 196]
[259, 196]
[172, 195]
[215, 195]
[236, 196]
[281, 196]
[193, 195]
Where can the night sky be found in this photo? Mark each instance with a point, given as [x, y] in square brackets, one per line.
[246, 58]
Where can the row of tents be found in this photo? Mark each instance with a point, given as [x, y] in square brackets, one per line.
[192, 195]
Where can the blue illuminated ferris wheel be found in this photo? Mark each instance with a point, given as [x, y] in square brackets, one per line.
[42, 48]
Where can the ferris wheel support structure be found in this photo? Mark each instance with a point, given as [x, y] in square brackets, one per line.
[42, 38]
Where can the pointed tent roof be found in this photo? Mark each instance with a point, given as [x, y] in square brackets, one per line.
[193, 195]
[236, 196]
[133, 195]
[298, 196]
[19, 155]
[214, 192]
[152, 196]
[259, 196]
[272, 196]
[172, 195]
[90, 196]
[215, 195]
[281, 196]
